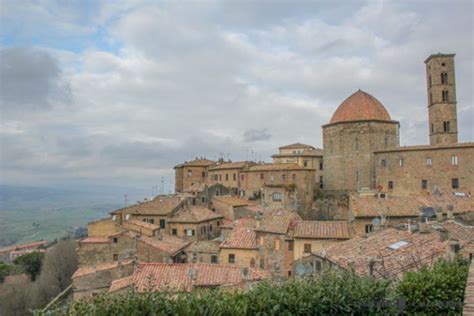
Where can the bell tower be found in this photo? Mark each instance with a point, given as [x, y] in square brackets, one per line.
[443, 122]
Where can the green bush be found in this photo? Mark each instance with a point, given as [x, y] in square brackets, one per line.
[31, 263]
[334, 294]
[4, 271]
[436, 291]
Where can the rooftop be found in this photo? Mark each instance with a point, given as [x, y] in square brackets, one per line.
[275, 167]
[231, 165]
[87, 270]
[277, 221]
[204, 246]
[194, 214]
[360, 106]
[296, 146]
[240, 237]
[166, 243]
[323, 230]
[198, 162]
[160, 205]
[315, 152]
[24, 246]
[233, 200]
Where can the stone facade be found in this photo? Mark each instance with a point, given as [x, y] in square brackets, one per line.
[116, 248]
[191, 172]
[348, 152]
[421, 170]
[441, 86]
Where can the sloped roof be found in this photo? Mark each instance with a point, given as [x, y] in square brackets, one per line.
[459, 231]
[241, 238]
[277, 221]
[166, 243]
[194, 214]
[24, 246]
[204, 246]
[141, 224]
[160, 205]
[86, 270]
[233, 200]
[183, 276]
[316, 152]
[231, 165]
[323, 230]
[95, 240]
[296, 146]
[392, 252]
[275, 167]
[196, 163]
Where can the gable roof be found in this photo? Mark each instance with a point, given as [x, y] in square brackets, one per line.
[166, 243]
[233, 200]
[160, 205]
[87, 270]
[276, 167]
[196, 163]
[391, 251]
[296, 146]
[240, 237]
[24, 246]
[204, 246]
[194, 214]
[277, 221]
[231, 165]
[183, 277]
[323, 230]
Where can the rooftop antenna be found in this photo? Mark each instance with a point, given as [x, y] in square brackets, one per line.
[169, 188]
[162, 185]
[125, 202]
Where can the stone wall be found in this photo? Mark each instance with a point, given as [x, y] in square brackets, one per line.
[406, 177]
[243, 257]
[330, 205]
[96, 253]
[212, 230]
[348, 152]
[102, 227]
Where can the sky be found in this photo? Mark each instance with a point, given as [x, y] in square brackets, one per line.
[116, 93]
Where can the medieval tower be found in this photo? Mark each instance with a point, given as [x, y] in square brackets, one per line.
[441, 99]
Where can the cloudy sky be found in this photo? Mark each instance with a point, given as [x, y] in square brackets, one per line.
[118, 92]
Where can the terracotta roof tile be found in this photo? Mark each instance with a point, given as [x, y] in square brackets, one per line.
[95, 240]
[160, 205]
[360, 106]
[232, 165]
[275, 167]
[277, 221]
[166, 243]
[120, 284]
[459, 231]
[86, 270]
[392, 252]
[183, 277]
[296, 146]
[196, 163]
[324, 230]
[141, 224]
[204, 246]
[194, 214]
[233, 201]
[240, 238]
[24, 246]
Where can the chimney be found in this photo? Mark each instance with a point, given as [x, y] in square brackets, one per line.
[454, 248]
[443, 234]
[450, 212]
[423, 227]
[439, 214]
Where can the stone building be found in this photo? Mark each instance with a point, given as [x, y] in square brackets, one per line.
[195, 223]
[226, 205]
[227, 174]
[360, 126]
[205, 251]
[240, 248]
[191, 172]
[305, 156]
[6, 252]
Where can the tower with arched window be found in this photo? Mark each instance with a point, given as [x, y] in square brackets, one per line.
[441, 99]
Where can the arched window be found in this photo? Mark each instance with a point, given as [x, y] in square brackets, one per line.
[445, 96]
[444, 78]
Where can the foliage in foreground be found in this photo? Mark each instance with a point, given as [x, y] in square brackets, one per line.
[334, 294]
[31, 263]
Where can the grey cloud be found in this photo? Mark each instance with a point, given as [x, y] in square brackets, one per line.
[30, 80]
[254, 135]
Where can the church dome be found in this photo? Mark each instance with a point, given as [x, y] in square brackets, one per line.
[360, 106]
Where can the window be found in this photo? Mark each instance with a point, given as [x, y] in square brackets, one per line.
[369, 228]
[283, 177]
[294, 176]
[387, 141]
[357, 175]
[115, 257]
[321, 184]
[277, 244]
[390, 185]
[321, 165]
[305, 163]
[151, 221]
[194, 201]
[213, 259]
[190, 173]
[429, 161]
[210, 228]
[174, 231]
[429, 80]
[401, 162]
[446, 126]
[291, 245]
[162, 223]
[432, 128]
[195, 257]
[252, 264]
[383, 162]
[220, 177]
[424, 184]
[216, 177]
[356, 144]
[242, 177]
[226, 177]
[204, 174]
[115, 240]
[431, 98]
[262, 176]
[203, 199]
[307, 248]
[261, 241]
[234, 177]
[189, 232]
[455, 183]
[218, 223]
[231, 258]
[444, 78]
[445, 96]
[277, 197]
[318, 266]
[262, 263]
[454, 160]
[272, 178]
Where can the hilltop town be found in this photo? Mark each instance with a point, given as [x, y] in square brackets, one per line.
[362, 203]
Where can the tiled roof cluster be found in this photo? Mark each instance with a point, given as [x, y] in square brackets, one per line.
[324, 230]
[459, 231]
[194, 214]
[233, 201]
[160, 205]
[196, 163]
[241, 238]
[249, 222]
[391, 252]
[86, 270]
[204, 246]
[142, 224]
[370, 206]
[167, 243]
[275, 167]
[183, 277]
[277, 221]
[23, 246]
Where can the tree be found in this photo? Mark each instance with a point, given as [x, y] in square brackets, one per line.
[4, 271]
[31, 263]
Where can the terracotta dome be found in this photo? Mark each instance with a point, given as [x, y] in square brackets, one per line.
[360, 106]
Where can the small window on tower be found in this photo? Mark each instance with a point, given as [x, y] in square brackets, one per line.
[429, 161]
[432, 128]
[444, 78]
[445, 96]
[455, 183]
[424, 184]
[390, 185]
